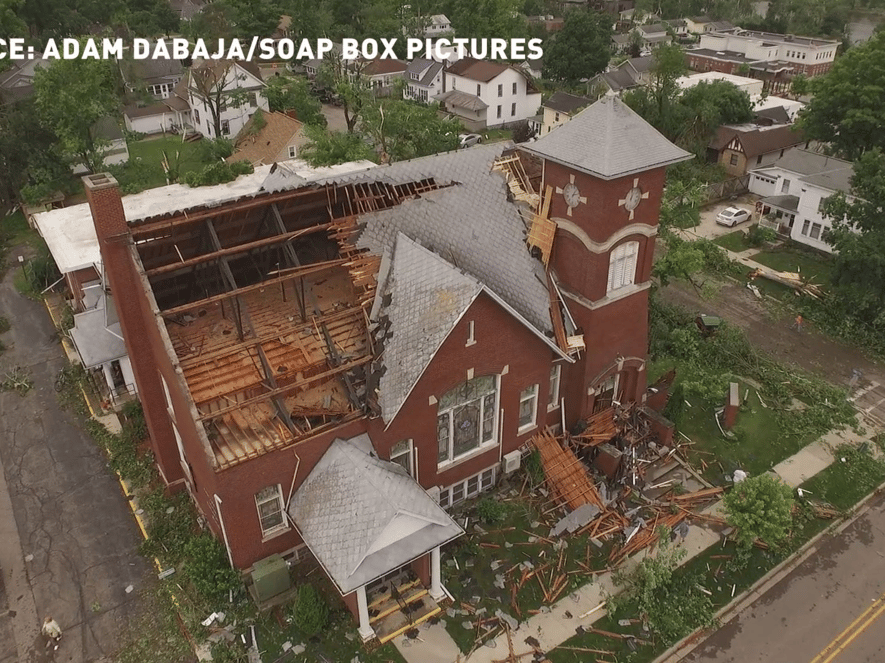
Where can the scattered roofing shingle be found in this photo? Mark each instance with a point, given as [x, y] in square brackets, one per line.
[607, 140]
[566, 103]
[478, 70]
[362, 516]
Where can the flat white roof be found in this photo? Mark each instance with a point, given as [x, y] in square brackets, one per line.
[70, 233]
[686, 82]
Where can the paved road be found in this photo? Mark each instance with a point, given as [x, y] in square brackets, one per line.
[68, 544]
[831, 608]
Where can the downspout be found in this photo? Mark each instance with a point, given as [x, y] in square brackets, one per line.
[230, 557]
[292, 487]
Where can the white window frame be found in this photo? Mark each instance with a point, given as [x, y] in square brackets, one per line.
[785, 185]
[622, 266]
[225, 127]
[554, 388]
[293, 151]
[528, 395]
[816, 230]
[282, 526]
[480, 483]
[806, 224]
[449, 412]
[407, 453]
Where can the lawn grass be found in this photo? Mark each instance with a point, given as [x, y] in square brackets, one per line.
[846, 482]
[812, 267]
[495, 135]
[144, 169]
[759, 442]
[734, 241]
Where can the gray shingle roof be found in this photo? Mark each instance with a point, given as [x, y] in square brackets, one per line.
[428, 295]
[462, 100]
[472, 224]
[362, 516]
[819, 169]
[607, 140]
[426, 69]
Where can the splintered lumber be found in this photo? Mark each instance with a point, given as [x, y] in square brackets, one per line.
[647, 537]
[566, 476]
[696, 496]
[601, 428]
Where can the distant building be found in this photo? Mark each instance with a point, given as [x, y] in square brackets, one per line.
[741, 147]
[423, 80]
[559, 109]
[277, 137]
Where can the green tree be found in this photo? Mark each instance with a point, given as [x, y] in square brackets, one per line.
[29, 155]
[581, 49]
[352, 89]
[253, 17]
[284, 94]
[11, 24]
[846, 110]
[657, 102]
[328, 148]
[404, 130]
[760, 507]
[71, 97]
[709, 106]
[858, 238]
[486, 18]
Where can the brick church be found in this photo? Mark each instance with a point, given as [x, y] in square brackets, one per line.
[330, 360]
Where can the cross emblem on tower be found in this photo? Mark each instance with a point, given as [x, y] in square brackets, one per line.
[634, 196]
[571, 194]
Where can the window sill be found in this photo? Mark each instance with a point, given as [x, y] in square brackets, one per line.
[552, 408]
[449, 464]
[274, 533]
[528, 428]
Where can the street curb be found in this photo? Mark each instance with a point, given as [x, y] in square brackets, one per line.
[749, 596]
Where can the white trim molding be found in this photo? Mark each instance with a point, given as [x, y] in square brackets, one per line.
[604, 247]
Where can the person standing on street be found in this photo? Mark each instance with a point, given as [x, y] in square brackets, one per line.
[52, 631]
[797, 324]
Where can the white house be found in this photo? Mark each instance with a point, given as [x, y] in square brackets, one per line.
[438, 26]
[793, 190]
[234, 86]
[487, 94]
[423, 80]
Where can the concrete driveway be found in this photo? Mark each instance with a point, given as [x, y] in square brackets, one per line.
[334, 117]
[68, 543]
[709, 229]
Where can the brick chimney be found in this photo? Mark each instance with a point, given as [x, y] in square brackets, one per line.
[137, 323]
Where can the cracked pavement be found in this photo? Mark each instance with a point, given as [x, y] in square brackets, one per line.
[68, 542]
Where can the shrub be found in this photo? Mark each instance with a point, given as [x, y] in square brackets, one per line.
[760, 508]
[758, 235]
[208, 569]
[533, 467]
[491, 511]
[310, 614]
[217, 173]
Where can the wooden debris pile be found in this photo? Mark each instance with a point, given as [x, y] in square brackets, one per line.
[792, 280]
[566, 476]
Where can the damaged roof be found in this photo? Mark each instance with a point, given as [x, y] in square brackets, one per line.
[608, 140]
[362, 516]
[428, 296]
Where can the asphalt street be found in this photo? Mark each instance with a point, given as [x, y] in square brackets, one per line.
[68, 543]
[830, 608]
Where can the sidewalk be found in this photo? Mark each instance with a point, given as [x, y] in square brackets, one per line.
[557, 623]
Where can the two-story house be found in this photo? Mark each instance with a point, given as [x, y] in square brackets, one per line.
[226, 90]
[485, 94]
[742, 147]
[423, 80]
[794, 189]
[382, 73]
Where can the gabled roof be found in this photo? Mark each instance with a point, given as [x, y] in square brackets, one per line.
[427, 70]
[819, 169]
[134, 111]
[263, 146]
[775, 115]
[607, 140]
[362, 516]
[381, 66]
[566, 103]
[481, 71]
[756, 140]
[149, 70]
[654, 28]
[428, 296]
[462, 100]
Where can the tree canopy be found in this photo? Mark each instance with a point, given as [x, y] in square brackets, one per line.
[404, 130]
[760, 507]
[71, 97]
[858, 237]
[846, 110]
[284, 94]
[581, 49]
[328, 148]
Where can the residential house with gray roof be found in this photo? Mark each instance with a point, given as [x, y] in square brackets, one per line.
[793, 190]
[423, 80]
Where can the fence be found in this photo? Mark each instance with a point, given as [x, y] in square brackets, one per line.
[722, 190]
